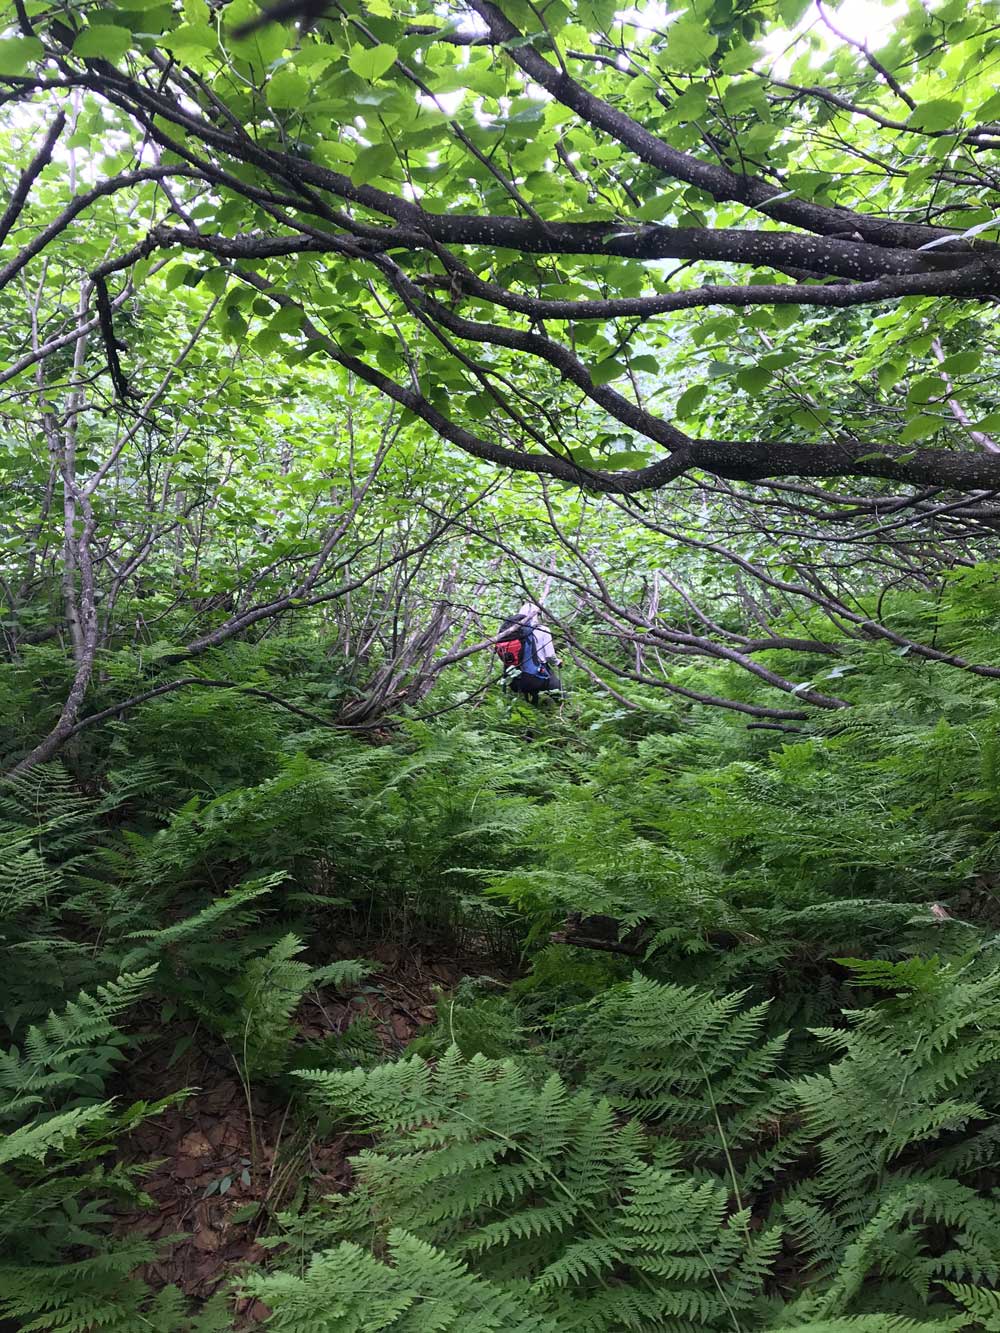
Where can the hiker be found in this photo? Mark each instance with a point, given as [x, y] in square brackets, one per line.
[544, 647]
[528, 654]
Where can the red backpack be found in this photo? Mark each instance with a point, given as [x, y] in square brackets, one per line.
[515, 648]
[510, 649]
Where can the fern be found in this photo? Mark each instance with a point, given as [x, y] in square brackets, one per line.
[101, 1293]
[59, 1126]
[420, 1290]
[727, 1129]
[71, 1051]
[254, 1012]
[911, 1073]
[37, 1140]
[478, 1022]
[869, 1323]
[230, 911]
[357, 1045]
[700, 1066]
[982, 1305]
[544, 1185]
[266, 994]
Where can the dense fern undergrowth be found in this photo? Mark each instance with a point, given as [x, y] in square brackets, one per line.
[764, 1098]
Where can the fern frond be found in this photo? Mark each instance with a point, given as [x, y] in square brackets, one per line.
[423, 1291]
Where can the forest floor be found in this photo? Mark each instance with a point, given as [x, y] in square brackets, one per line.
[222, 1161]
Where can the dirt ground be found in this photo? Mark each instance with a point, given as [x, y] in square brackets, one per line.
[226, 1158]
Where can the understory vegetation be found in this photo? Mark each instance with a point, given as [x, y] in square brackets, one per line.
[351, 981]
[723, 1056]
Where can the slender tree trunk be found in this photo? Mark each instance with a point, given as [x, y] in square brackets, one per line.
[78, 584]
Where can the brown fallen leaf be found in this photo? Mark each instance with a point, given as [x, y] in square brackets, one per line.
[194, 1144]
[186, 1168]
[236, 1136]
[206, 1240]
[401, 1026]
[214, 1130]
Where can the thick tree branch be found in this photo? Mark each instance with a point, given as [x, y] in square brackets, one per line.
[29, 175]
[718, 181]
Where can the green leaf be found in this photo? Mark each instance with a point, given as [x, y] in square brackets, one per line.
[644, 365]
[745, 96]
[919, 429]
[784, 316]
[741, 57]
[990, 109]
[152, 20]
[176, 274]
[315, 58]
[927, 390]
[333, 153]
[889, 373]
[941, 113]
[718, 370]
[246, 1213]
[231, 323]
[215, 281]
[287, 320]
[918, 177]
[689, 45]
[287, 90]
[692, 104]
[263, 47]
[758, 139]
[607, 370]
[754, 379]
[778, 360]
[480, 404]
[372, 62]
[106, 42]
[372, 162]
[190, 39]
[17, 53]
[690, 400]
[626, 460]
[961, 363]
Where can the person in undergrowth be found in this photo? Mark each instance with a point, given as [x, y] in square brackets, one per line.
[526, 649]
